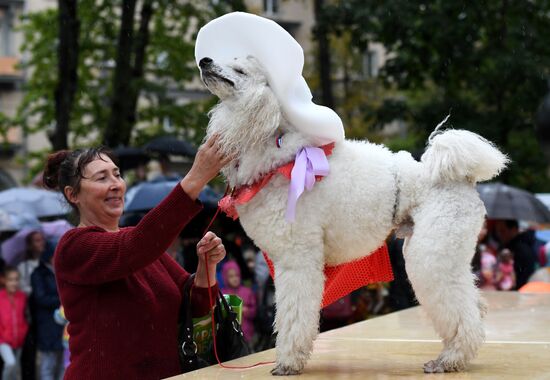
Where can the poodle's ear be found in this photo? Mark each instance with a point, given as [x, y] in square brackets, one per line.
[264, 113]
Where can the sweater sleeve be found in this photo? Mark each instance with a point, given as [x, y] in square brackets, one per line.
[91, 255]
[200, 301]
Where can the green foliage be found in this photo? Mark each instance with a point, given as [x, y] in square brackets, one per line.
[5, 124]
[169, 69]
[37, 110]
[527, 170]
[359, 98]
[485, 62]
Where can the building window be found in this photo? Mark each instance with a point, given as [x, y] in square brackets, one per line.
[370, 64]
[271, 6]
[6, 31]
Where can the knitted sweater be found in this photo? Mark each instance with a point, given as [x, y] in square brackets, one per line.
[121, 293]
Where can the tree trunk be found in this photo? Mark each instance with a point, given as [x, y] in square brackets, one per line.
[321, 34]
[128, 73]
[118, 125]
[140, 46]
[69, 29]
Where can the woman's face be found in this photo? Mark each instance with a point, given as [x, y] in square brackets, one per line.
[102, 189]
[12, 281]
[37, 243]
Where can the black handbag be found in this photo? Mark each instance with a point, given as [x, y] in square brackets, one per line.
[230, 342]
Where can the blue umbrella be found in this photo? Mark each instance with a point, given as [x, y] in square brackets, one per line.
[11, 221]
[147, 195]
[543, 235]
[38, 202]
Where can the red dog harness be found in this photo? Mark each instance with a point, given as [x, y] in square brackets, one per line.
[340, 280]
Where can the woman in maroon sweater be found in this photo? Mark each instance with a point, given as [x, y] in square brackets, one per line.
[120, 290]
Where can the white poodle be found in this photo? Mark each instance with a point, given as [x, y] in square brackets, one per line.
[369, 193]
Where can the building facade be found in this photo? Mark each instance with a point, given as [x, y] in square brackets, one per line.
[11, 81]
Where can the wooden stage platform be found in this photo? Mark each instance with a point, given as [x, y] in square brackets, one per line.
[396, 345]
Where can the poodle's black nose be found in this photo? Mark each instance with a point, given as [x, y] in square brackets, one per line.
[205, 62]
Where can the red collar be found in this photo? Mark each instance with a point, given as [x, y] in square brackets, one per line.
[244, 194]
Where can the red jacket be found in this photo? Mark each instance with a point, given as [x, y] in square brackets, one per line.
[121, 294]
[13, 325]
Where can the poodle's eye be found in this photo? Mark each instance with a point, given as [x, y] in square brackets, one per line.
[239, 71]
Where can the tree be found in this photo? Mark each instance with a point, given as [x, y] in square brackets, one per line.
[134, 64]
[324, 63]
[485, 62]
[128, 72]
[69, 28]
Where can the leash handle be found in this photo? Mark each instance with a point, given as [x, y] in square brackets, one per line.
[211, 304]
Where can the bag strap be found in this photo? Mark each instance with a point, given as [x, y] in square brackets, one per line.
[188, 347]
[230, 314]
[226, 306]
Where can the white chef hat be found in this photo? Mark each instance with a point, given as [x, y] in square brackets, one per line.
[239, 34]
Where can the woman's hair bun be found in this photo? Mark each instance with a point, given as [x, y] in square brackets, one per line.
[50, 178]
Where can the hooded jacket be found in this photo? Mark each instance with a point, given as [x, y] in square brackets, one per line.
[13, 324]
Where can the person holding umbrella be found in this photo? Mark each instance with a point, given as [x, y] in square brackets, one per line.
[34, 247]
[49, 334]
[121, 292]
[507, 232]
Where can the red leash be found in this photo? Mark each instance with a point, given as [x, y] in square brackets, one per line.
[211, 303]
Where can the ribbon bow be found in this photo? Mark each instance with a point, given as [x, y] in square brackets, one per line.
[309, 162]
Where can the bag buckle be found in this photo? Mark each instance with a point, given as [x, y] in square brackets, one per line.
[193, 349]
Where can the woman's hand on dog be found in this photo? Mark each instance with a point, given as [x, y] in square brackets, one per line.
[208, 163]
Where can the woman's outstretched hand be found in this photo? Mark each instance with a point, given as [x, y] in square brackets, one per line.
[208, 163]
[210, 251]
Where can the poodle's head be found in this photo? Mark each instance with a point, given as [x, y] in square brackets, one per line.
[248, 113]
[240, 76]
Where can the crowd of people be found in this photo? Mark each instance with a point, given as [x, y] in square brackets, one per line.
[33, 336]
[33, 327]
[30, 337]
[508, 257]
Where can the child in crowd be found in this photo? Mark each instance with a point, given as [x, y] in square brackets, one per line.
[488, 268]
[231, 274]
[506, 278]
[484, 263]
[35, 246]
[60, 319]
[13, 324]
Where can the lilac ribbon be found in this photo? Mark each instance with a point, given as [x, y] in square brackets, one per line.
[309, 162]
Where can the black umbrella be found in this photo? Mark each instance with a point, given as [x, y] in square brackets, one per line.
[130, 157]
[170, 145]
[508, 202]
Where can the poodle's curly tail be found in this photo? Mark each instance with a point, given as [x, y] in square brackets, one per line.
[458, 155]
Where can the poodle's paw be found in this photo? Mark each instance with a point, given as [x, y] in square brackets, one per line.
[434, 366]
[440, 366]
[283, 370]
